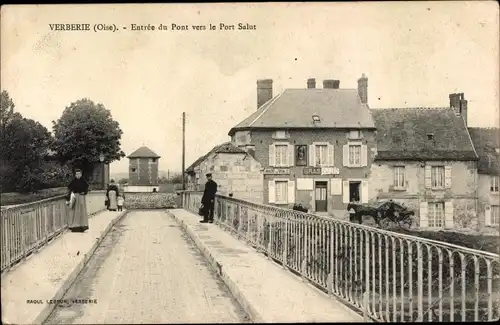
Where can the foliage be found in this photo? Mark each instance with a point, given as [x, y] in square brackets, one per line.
[84, 132]
[123, 181]
[21, 198]
[51, 174]
[24, 145]
[177, 179]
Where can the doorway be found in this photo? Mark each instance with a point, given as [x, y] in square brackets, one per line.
[320, 197]
[354, 191]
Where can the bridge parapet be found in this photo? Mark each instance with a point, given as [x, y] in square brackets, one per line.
[389, 275]
[151, 200]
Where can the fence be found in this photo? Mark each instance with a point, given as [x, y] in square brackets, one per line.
[27, 227]
[391, 277]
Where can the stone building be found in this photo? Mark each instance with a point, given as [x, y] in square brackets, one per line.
[487, 144]
[426, 160]
[234, 170]
[316, 145]
[143, 171]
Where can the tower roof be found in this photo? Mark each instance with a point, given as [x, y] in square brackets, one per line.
[143, 152]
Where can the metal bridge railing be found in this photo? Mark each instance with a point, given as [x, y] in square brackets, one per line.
[389, 276]
[27, 227]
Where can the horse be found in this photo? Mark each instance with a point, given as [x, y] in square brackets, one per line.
[361, 210]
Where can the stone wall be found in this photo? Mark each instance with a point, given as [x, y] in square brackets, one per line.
[234, 173]
[151, 201]
[461, 192]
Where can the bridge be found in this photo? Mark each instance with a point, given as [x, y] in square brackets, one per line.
[256, 263]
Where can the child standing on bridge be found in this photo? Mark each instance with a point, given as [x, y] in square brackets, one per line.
[120, 202]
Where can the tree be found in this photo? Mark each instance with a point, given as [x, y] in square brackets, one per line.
[24, 144]
[84, 131]
[123, 181]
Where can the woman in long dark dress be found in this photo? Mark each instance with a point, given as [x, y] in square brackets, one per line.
[112, 196]
[78, 216]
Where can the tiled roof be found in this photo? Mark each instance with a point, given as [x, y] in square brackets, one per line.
[226, 147]
[486, 141]
[403, 133]
[143, 152]
[293, 108]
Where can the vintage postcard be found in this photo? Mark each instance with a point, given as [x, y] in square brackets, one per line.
[250, 162]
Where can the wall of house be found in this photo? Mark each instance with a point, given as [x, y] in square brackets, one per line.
[239, 174]
[486, 199]
[146, 171]
[459, 192]
[261, 140]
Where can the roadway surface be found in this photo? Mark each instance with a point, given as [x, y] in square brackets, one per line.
[147, 270]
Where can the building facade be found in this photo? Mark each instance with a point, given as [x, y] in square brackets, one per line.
[316, 146]
[426, 160]
[234, 170]
[143, 171]
[487, 145]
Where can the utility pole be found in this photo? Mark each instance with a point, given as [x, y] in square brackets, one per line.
[183, 149]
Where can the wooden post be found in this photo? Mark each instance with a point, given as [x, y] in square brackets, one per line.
[183, 149]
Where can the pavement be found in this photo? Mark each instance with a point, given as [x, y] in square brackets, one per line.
[266, 291]
[28, 288]
[148, 271]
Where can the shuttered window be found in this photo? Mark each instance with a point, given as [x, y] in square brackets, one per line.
[355, 155]
[321, 155]
[435, 214]
[281, 154]
[495, 215]
[281, 188]
[399, 176]
[494, 184]
[437, 176]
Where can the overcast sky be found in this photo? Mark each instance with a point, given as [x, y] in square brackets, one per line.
[414, 54]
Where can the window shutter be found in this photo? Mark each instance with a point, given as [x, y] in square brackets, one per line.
[448, 215]
[345, 155]
[487, 215]
[291, 191]
[331, 160]
[428, 177]
[447, 176]
[364, 192]
[272, 155]
[364, 155]
[271, 191]
[424, 219]
[291, 155]
[345, 192]
[312, 155]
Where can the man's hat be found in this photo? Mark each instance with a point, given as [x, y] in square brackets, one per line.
[209, 175]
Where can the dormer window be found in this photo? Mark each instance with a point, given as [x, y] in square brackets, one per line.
[316, 118]
[430, 136]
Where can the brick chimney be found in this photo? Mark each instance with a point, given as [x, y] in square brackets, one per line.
[459, 104]
[311, 83]
[331, 84]
[264, 91]
[363, 89]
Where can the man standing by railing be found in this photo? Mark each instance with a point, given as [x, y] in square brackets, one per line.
[208, 199]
